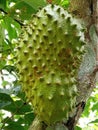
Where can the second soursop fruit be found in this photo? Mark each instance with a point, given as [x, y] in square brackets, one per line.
[48, 55]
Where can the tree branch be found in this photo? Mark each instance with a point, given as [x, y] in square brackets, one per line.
[87, 11]
[95, 20]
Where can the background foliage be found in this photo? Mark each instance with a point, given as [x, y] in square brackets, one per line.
[15, 111]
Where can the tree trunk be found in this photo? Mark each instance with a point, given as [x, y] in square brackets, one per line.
[87, 12]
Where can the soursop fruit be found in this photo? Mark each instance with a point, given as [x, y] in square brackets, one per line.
[48, 55]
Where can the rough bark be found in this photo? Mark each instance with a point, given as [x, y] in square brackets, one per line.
[87, 12]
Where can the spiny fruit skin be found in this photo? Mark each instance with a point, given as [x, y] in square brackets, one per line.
[48, 55]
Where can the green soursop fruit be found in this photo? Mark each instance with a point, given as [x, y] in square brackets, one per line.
[48, 55]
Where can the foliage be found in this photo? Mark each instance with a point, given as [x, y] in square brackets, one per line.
[15, 112]
[89, 118]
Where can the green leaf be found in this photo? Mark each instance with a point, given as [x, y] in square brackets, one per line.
[5, 48]
[78, 128]
[95, 121]
[9, 68]
[16, 89]
[21, 120]
[7, 103]
[35, 4]
[22, 107]
[95, 106]
[14, 126]
[11, 90]
[6, 91]
[2, 4]
[29, 118]
[23, 9]
[9, 26]
[5, 100]
[12, 30]
[18, 107]
[56, 1]
[4, 83]
[65, 3]
[2, 64]
[20, 93]
[11, 123]
[11, 108]
[2, 36]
